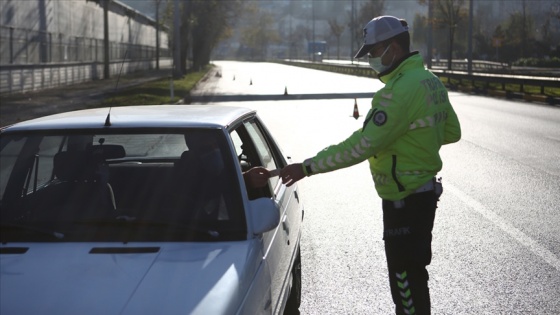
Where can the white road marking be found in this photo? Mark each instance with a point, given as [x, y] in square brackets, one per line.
[518, 235]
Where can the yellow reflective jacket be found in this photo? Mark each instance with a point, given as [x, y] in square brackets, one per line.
[409, 120]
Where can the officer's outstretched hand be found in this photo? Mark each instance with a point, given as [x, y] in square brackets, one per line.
[292, 173]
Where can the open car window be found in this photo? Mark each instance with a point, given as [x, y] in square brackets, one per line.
[120, 185]
[262, 149]
[253, 148]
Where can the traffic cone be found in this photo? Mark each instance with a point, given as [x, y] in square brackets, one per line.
[356, 114]
[286, 90]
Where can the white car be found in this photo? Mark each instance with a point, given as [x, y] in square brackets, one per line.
[144, 210]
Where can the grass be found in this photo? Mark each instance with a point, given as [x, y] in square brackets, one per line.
[157, 92]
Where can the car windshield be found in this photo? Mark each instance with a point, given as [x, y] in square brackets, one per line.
[120, 186]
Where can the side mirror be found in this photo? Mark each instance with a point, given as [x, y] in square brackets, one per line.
[264, 214]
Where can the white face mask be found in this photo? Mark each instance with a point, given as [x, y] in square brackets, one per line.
[376, 64]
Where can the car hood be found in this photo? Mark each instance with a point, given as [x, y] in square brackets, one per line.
[153, 278]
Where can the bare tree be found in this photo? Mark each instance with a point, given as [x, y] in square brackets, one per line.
[337, 30]
[204, 24]
[420, 27]
[301, 33]
[258, 32]
[371, 9]
[157, 5]
[365, 13]
[518, 33]
[524, 27]
[447, 14]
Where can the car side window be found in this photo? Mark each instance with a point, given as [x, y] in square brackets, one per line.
[36, 163]
[263, 149]
[10, 151]
[252, 150]
[48, 148]
[248, 158]
[237, 144]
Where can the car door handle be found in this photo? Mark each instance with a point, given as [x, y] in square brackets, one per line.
[286, 225]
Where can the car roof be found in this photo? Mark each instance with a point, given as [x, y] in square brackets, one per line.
[148, 116]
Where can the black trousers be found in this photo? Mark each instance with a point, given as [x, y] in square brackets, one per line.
[408, 248]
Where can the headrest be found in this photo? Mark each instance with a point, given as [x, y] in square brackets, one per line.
[72, 165]
[82, 165]
[186, 160]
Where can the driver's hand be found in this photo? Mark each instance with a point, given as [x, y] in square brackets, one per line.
[256, 177]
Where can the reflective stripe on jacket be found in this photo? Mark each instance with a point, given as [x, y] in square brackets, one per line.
[410, 119]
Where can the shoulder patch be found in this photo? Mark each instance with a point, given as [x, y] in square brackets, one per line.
[379, 118]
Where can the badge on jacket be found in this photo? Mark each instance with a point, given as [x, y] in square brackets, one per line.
[379, 118]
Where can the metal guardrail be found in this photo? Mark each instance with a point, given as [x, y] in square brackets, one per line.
[478, 65]
[530, 88]
[482, 66]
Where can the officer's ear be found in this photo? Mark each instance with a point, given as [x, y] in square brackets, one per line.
[397, 49]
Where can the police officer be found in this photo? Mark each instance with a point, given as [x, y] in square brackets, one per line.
[409, 120]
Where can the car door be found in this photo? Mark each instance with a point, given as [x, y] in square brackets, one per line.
[259, 149]
[289, 230]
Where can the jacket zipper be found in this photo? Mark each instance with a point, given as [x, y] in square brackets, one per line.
[394, 174]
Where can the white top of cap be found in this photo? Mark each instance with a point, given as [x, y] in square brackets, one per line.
[378, 30]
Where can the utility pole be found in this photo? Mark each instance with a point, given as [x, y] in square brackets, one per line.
[157, 33]
[106, 74]
[313, 27]
[352, 33]
[291, 33]
[430, 31]
[469, 55]
[176, 36]
[523, 28]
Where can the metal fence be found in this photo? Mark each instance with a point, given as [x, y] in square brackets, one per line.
[543, 89]
[20, 46]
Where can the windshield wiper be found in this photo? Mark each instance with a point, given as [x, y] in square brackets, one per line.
[126, 221]
[28, 228]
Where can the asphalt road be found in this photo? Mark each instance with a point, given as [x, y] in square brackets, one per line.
[496, 237]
